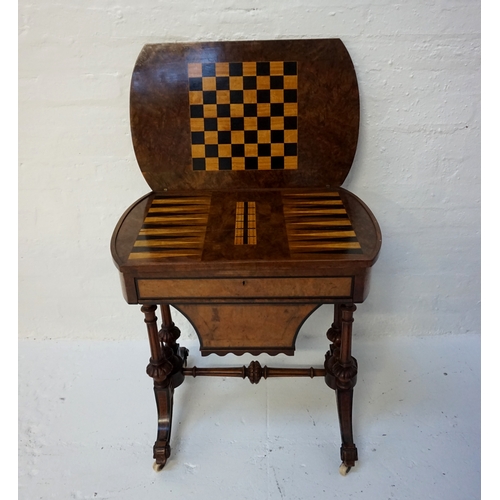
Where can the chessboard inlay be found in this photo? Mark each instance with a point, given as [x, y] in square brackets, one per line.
[243, 115]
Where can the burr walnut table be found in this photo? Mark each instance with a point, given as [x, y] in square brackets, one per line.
[247, 230]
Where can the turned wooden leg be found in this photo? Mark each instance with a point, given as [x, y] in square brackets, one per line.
[340, 374]
[165, 368]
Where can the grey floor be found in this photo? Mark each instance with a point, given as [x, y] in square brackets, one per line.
[87, 424]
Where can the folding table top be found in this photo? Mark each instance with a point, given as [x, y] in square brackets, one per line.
[260, 114]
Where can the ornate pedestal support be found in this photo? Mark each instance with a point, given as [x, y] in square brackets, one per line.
[165, 368]
[340, 374]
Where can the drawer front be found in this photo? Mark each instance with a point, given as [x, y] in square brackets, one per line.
[244, 288]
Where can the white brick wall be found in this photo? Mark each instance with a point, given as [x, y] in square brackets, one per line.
[417, 164]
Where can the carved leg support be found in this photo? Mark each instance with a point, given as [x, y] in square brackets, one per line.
[341, 371]
[165, 368]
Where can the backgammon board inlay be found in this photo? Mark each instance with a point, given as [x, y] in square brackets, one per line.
[173, 227]
[317, 223]
[243, 115]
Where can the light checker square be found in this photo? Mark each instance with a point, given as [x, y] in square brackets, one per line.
[243, 115]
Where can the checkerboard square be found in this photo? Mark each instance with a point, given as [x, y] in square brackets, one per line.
[238, 150]
[235, 69]
[211, 137]
[249, 82]
[225, 163]
[211, 150]
[250, 109]
[196, 111]
[222, 83]
[251, 163]
[225, 150]
[198, 163]
[210, 123]
[250, 136]
[237, 137]
[197, 137]
[237, 123]
[277, 109]
[263, 68]
[263, 96]
[236, 96]
[208, 69]
[290, 122]
[277, 162]
[224, 137]
[210, 97]
[223, 110]
[264, 122]
[276, 82]
[290, 95]
[264, 149]
[195, 84]
[209, 84]
[290, 68]
[222, 69]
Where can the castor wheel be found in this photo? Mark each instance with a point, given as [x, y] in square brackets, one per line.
[344, 469]
[158, 467]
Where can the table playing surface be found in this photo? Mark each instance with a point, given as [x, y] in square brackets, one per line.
[246, 225]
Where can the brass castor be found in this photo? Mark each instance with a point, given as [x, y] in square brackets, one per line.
[344, 469]
[158, 467]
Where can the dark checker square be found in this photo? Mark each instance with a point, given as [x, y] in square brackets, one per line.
[264, 149]
[290, 122]
[249, 82]
[277, 82]
[197, 111]
[263, 68]
[235, 69]
[263, 96]
[236, 96]
[250, 136]
[195, 84]
[223, 110]
[198, 137]
[225, 164]
[222, 83]
[291, 149]
[290, 95]
[277, 136]
[210, 124]
[277, 162]
[290, 68]
[251, 163]
[209, 97]
[277, 109]
[238, 150]
[250, 109]
[198, 163]
[264, 123]
[211, 150]
[237, 123]
[224, 137]
[208, 69]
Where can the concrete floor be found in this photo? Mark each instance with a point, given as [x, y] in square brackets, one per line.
[87, 425]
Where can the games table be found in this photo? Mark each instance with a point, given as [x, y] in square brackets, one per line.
[246, 230]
